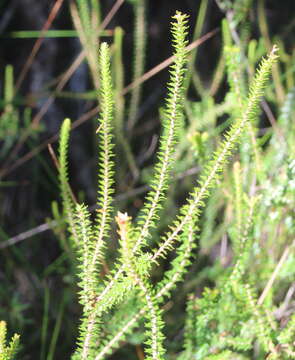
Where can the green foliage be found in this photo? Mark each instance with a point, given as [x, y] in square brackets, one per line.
[171, 126]
[236, 217]
[226, 320]
[67, 197]
[9, 118]
[113, 291]
[11, 124]
[139, 58]
[91, 240]
[86, 19]
[8, 351]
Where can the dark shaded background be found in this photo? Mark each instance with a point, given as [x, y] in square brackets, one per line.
[27, 203]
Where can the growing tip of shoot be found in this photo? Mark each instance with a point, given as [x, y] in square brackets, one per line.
[274, 50]
[67, 121]
[179, 15]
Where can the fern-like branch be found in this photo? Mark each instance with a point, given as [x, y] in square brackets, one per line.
[68, 203]
[215, 166]
[178, 269]
[171, 124]
[104, 193]
[85, 249]
[167, 145]
[106, 163]
[154, 323]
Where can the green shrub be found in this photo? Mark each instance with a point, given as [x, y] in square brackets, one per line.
[223, 248]
[228, 321]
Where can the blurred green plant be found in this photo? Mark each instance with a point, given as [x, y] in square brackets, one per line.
[9, 119]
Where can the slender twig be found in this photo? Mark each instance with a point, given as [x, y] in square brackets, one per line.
[274, 274]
